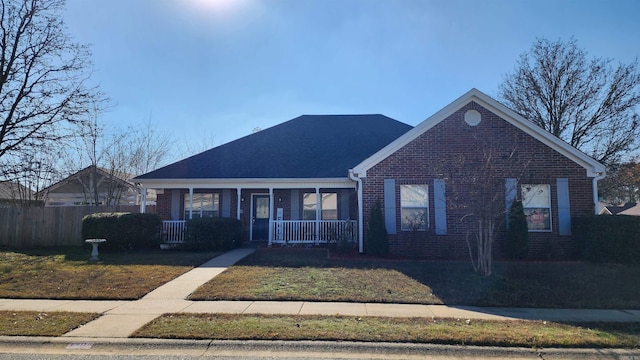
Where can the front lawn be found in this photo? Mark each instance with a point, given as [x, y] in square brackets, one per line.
[309, 275]
[67, 273]
[414, 330]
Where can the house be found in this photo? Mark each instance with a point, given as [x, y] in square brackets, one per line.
[626, 209]
[16, 194]
[314, 179]
[94, 186]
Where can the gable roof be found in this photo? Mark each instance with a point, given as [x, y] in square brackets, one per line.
[118, 176]
[309, 146]
[593, 167]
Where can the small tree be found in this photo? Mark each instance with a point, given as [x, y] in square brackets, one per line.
[517, 232]
[476, 192]
[377, 241]
[622, 184]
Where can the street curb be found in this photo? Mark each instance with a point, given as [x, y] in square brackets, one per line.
[148, 346]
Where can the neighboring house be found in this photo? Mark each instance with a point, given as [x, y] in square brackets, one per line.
[626, 209]
[79, 189]
[16, 194]
[314, 179]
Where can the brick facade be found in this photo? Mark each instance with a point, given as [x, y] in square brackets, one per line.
[452, 141]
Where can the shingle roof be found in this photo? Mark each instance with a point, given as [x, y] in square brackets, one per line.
[309, 146]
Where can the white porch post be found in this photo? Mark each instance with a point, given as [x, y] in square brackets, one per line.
[360, 220]
[143, 200]
[239, 190]
[318, 212]
[190, 203]
[270, 216]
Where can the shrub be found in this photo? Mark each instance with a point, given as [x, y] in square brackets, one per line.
[517, 232]
[608, 238]
[123, 231]
[377, 241]
[213, 234]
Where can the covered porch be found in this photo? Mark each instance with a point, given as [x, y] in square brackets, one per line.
[285, 213]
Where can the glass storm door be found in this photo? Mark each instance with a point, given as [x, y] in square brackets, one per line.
[260, 218]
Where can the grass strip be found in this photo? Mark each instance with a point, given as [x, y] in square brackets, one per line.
[33, 323]
[386, 329]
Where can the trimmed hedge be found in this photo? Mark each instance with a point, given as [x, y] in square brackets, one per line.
[213, 233]
[123, 231]
[608, 238]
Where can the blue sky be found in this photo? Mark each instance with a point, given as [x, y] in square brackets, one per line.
[203, 69]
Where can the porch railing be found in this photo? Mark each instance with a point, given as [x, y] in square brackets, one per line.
[284, 231]
[314, 232]
[173, 231]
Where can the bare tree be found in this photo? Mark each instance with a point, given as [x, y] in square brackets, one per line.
[114, 157]
[148, 148]
[476, 193]
[29, 176]
[588, 103]
[43, 76]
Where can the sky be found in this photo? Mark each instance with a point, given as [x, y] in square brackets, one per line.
[210, 71]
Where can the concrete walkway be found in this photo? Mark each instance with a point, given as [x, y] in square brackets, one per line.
[121, 318]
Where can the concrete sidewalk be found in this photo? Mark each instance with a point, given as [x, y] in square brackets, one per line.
[121, 318]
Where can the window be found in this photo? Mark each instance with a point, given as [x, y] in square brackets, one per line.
[536, 201]
[414, 204]
[329, 206]
[204, 205]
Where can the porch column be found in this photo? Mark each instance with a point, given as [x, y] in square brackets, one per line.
[239, 190]
[270, 216]
[190, 203]
[143, 200]
[318, 212]
[360, 221]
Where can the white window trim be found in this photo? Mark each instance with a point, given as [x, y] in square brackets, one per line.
[427, 224]
[549, 207]
[198, 211]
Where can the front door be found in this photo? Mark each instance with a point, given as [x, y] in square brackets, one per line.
[260, 218]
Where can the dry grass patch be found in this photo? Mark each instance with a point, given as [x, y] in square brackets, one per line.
[315, 284]
[68, 273]
[415, 330]
[33, 323]
[307, 275]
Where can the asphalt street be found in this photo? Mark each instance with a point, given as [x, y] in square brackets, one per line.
[56, 348]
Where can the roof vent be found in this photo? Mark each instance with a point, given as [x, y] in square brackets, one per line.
[472, 117]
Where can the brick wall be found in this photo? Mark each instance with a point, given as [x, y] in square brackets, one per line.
[452, 141]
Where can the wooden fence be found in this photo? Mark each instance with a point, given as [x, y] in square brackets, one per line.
[49, 226]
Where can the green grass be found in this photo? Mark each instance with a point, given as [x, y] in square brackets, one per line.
[309, 275]
[414, 330]
[67, 273]
[32, 323]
